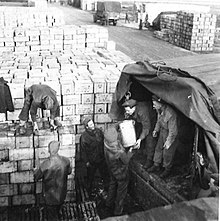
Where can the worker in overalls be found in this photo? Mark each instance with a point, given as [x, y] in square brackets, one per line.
[166, 130]
[39, 96]
[117, 158]
[142, 114]
[54, 172]
[92, 153]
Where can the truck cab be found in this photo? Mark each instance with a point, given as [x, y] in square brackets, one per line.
[107, 12]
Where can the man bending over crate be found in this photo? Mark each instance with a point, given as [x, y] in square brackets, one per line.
[39, 96]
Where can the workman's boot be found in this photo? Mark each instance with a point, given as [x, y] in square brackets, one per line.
[154, 168]
[148, 164]
[165, 173]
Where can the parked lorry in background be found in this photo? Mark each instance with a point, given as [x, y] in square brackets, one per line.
[107, 12]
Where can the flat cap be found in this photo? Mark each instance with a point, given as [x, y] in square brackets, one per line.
[129, 103]
[86, 120]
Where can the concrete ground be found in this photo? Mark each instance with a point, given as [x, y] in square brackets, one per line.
[137, 44]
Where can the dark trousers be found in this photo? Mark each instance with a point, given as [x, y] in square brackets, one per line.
[116, 194]
[24, 114]
[53, 212]
[162, 155]
[149, 146]
[103, 170]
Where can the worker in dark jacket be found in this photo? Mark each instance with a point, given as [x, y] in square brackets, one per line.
[6, 103]
[54, 173]
[166, 130]
[117, 158]
[92, 152]
[40, 96]
[143, 116]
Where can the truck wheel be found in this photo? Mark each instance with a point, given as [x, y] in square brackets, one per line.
[94, 18]
[114, 23]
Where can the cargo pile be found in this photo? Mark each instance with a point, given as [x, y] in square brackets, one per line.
[12, 17]
[192, 31]
[84, 79]
[217, 41]
[52, 38]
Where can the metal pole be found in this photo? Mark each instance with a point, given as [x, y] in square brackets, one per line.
[194, 157]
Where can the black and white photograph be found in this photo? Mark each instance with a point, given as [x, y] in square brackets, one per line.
[109, 110]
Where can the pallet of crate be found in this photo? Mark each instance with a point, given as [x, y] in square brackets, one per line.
[84, 81]
[30, 17]
[58, 38]
[192, 31]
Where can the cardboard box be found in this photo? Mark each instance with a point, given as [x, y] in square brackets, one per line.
[100, 108]
[103, 98]
[87, 98]
[23, 199]
[8, 190]
[84, 109]
[71, 99]
[68, 110]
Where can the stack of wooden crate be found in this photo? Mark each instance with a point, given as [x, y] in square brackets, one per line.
[49, 38]
[84, 80]
[30, 17]
[192, 31]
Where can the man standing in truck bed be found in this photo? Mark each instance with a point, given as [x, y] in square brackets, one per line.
[92, 152]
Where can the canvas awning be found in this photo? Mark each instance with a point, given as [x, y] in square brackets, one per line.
[186, 93]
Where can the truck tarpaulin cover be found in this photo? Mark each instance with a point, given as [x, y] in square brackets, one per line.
[186, 93]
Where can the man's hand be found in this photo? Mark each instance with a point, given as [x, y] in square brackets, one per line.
[36, 126]
[22, 123]
[35, 169]
[52, 125]
[87, 164]
[154, 133]
[137, 144]
[167, 145]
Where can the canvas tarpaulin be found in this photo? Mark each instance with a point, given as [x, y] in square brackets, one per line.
[186, 93]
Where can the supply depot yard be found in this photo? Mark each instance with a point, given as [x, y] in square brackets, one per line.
[81, 64]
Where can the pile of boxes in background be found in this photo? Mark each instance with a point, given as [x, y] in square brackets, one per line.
[81, 65]
[192, 31]
[11, 17]
[50, 38]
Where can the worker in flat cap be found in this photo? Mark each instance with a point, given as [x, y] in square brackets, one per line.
[54, 172]
[145, 118]
[117, 158]
[39, 96]
[92, 153]
[166, 130]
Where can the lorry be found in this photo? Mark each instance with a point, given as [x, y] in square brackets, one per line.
[107, 12]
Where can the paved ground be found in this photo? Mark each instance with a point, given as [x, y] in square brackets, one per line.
[138, 44]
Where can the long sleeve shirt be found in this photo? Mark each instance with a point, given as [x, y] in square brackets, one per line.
[54, 173]
[141, 115]
[35, 97]
[117, 160]
[92, 146]
[167, 119]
